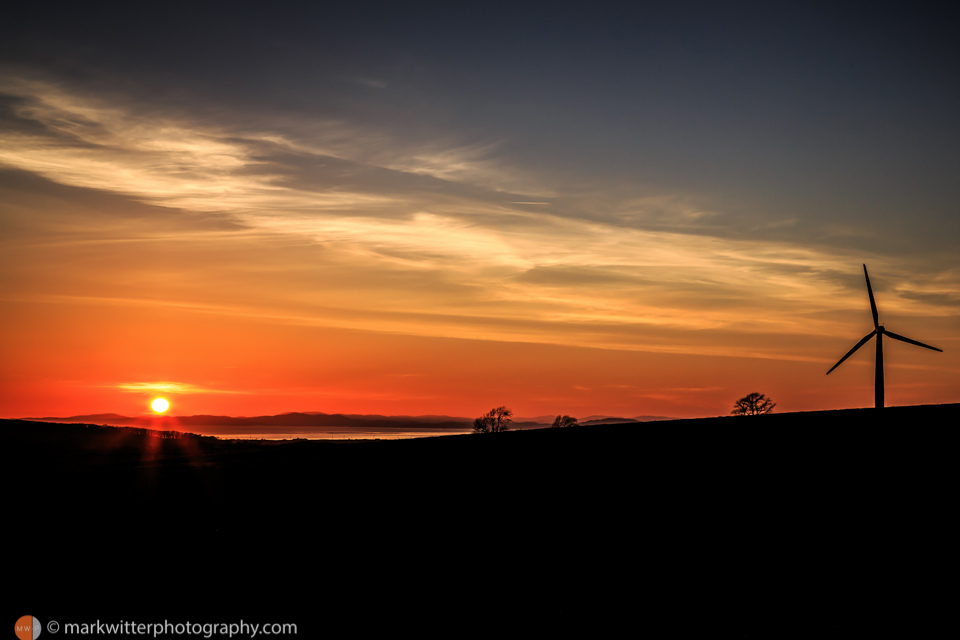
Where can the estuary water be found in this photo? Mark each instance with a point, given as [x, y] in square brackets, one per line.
[257, 432]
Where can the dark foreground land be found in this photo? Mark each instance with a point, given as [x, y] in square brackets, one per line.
[782, 519]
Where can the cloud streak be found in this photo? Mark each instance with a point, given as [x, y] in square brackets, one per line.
[179, 388]
[489, 259]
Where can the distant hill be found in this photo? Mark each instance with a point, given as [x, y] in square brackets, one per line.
[535, 419]
[319, 419]
[293, 419]
[610, 420]
[93, 417]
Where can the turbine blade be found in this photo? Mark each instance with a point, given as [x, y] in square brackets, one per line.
[873, 303]
[903, 339]
[851, 352]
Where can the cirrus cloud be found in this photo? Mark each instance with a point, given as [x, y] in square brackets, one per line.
[167, 387]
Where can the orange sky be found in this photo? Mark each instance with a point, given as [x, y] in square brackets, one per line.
[257, 262]
[109, 302]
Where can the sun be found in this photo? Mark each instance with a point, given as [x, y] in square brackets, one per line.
[160, 405]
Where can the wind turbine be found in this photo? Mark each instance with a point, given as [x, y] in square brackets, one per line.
[878, 331]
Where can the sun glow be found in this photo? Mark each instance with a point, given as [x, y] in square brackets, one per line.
[160, 405]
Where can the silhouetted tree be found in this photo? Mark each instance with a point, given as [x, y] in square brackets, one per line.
[564, 421]
[753, 404]
[493, 421]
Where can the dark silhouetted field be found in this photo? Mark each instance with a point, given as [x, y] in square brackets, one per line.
[824, 504]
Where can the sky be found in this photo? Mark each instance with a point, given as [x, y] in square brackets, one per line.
[587, 209]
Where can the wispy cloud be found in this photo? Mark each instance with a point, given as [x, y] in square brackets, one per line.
[424, 238]
[179, 388]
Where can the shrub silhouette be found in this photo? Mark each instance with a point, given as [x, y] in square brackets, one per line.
[564, 421]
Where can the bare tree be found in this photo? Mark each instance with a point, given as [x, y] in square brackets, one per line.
[501, 418]
[493, 421]
[564, 421]
[753, 405]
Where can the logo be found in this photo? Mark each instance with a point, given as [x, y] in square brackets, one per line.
[28, 628]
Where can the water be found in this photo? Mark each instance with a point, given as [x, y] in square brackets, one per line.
[257, 432]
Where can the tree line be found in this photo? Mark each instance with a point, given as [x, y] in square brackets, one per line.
[499, 418]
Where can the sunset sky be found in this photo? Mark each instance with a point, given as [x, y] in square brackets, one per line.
[438, 209]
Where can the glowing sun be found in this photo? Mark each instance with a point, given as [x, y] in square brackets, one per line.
[160, 405]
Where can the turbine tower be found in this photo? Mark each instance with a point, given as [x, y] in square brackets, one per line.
[878, 331]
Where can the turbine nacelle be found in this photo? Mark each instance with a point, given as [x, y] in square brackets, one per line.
[878, 331]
